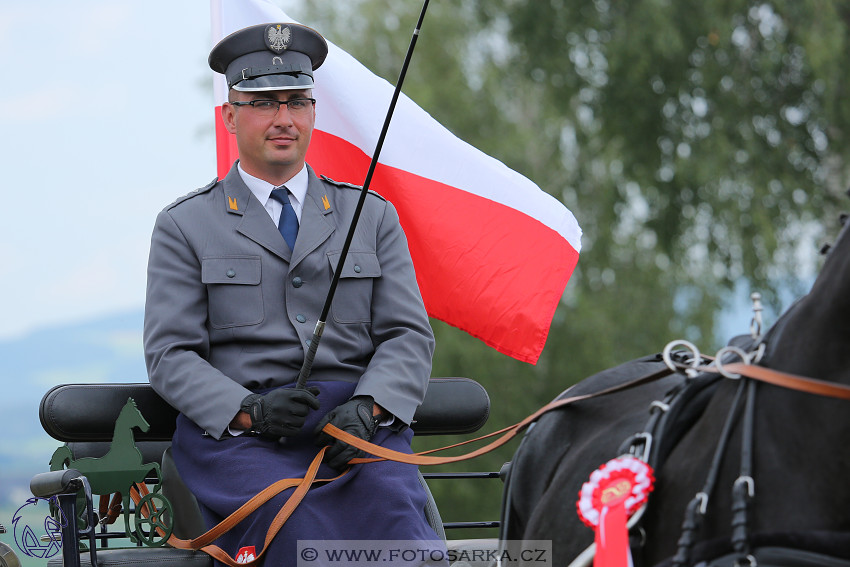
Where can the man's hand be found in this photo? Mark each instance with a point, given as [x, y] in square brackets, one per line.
[281, 412]
[355, 417]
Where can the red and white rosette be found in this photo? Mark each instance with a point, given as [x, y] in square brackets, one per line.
[615, 491]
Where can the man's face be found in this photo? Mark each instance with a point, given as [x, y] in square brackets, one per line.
[271, 146]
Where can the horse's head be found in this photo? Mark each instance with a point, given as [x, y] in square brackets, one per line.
[811, 337]
[130, 417]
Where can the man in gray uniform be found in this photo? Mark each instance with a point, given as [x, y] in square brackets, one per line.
[237, 277]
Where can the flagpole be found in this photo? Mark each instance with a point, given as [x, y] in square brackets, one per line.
[307, 366]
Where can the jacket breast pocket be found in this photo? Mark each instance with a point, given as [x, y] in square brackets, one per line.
[353, 300]
[233, 287]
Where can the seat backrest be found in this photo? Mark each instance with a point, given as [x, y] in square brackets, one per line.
[87, 412]
[83, 416]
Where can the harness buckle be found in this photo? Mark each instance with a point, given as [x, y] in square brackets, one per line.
[748, 480]
[640, 440]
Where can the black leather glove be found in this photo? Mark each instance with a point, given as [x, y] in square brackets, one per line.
[354, 417]
[281, 412]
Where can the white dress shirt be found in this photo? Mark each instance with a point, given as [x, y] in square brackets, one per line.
[262, 190]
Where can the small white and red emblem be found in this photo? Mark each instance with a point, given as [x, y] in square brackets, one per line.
[614, 492]
[246, 554]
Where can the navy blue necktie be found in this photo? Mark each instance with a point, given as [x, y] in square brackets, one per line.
[288, 224]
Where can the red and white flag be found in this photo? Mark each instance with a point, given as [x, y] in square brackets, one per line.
[492, 251]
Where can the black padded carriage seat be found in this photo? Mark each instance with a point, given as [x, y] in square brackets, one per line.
[83, 416]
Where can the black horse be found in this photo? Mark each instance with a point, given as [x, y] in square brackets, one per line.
[793, 498]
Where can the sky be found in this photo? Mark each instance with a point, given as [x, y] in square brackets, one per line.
[107, 117]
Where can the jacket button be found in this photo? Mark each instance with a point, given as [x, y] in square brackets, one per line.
[230, 273]
[357, 268]
[296, 282]
[301, 318]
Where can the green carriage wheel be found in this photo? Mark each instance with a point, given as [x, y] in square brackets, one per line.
[147, 523]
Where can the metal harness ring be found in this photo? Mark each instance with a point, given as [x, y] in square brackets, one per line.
[668, 360]
[718, 361]
[758, 353]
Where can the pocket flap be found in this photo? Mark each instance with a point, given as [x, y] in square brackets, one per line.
[242, 270]
[357, 264]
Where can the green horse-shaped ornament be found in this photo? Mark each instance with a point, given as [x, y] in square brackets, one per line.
[118, 470]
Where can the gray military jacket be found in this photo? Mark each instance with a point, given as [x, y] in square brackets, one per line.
[230, 308]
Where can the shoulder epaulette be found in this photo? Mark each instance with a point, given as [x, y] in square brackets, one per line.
[190, 194]
[345, 185]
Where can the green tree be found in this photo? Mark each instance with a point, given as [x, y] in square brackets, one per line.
[714, 130]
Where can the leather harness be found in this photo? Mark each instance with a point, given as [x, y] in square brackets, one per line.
[743, 486]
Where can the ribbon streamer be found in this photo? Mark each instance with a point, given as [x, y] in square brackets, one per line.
[613, 493]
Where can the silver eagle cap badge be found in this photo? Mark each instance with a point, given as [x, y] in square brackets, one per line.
[278, 37]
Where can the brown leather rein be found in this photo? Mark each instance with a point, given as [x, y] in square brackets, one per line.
[790, 381]
[302, 485]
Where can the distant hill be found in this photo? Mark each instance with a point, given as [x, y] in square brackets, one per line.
[103, 350]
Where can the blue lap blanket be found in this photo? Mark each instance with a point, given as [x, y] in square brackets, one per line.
[374, 501]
